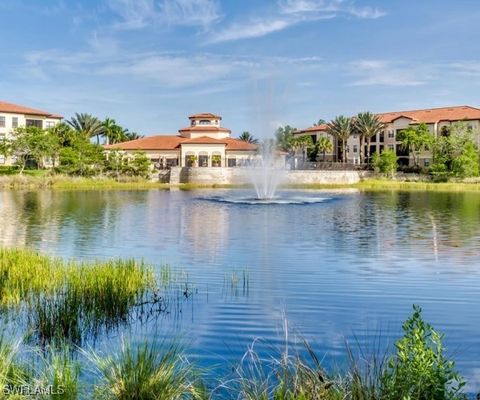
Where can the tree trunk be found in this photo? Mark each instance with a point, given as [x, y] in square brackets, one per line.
[344, 150]
[361, 150]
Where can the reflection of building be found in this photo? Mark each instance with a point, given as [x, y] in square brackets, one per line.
[438, 120]
[13, 116]
[202, 144]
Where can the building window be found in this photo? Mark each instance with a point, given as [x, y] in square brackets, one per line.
[391, 134]
[2, 159]
[34, 122]
[426, 162]
[232, 162]
[2, 122]
[49, 124]
[355, 148]
[205, 122]
[391, 147]
[14, 122]
[203, 161]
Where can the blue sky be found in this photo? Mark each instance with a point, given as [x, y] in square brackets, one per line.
[151, 63]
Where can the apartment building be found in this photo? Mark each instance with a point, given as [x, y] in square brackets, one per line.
[436, 119]
[13, 116]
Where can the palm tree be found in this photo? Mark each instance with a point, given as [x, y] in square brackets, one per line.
[367, 125]
[247, 137]
[284, 138]
[132, 135]
[87, 124]
[302, 143]
[324, 146]
[341, 128]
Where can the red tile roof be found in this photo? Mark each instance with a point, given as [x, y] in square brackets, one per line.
[203, 128]
[315, 128]
[204, 140]
[164, 142]
[16, 109]
[159, 142]
[205, 115]
[427, 116]
[433, 115]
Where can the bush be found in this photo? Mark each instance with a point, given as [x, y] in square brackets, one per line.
[419, 370]
[386, 162]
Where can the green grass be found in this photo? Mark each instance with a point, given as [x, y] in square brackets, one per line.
[148, 373]
[67, 299]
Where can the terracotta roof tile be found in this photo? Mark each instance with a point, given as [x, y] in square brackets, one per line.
[315, 128]
[158, 142]
[433, 115]
[17, 109]
[202, 128]
[239, 145]
[205, 115]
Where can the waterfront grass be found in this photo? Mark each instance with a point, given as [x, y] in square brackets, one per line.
[148, 373]
[65, 299]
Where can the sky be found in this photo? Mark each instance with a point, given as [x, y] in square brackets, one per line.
[260, 64]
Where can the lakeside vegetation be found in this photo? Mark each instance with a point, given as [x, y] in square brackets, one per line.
[416, 369]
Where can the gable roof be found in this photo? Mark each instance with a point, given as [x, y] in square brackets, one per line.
[427, 116]
[432, 115]
[17, 109]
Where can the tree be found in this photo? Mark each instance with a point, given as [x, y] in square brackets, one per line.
[386, 162]
[141, 165]
[456, 153]
[132, 135]
[247, 137]
[324, 146]
[284, 137]
[114, 133]
[341, 128]
[88, 125]
[367, 125]
[320, 122]
[30, 142]
[302, 143]
[414, 139]
[82, 158]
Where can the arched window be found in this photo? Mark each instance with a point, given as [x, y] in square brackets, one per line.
[203, 159]
[205, 122]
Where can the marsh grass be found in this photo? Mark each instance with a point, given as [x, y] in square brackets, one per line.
[66, 299]
[146, 372]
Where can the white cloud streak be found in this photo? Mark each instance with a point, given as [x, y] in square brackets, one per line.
[292, 12]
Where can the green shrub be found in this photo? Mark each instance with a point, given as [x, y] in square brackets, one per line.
[419, 370]
[385, 162]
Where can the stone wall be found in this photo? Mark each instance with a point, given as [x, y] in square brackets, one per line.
[239, 176]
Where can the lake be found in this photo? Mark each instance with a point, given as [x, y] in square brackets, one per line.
[337, 266]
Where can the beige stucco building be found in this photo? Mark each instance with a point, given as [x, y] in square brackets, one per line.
[13, 116]
[436, 119]
[204, 143]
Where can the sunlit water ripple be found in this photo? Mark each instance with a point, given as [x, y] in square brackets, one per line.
[338, 266]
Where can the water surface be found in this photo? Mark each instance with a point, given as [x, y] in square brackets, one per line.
[337, 266]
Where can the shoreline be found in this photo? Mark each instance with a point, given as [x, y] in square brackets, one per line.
[62, 182]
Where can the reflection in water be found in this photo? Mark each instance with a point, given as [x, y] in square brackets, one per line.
[350, 265]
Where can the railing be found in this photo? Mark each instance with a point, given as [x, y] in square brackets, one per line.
[328, 165]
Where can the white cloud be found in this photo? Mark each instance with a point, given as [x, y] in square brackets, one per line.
[289, 13]
[137, 14]
[385, 73]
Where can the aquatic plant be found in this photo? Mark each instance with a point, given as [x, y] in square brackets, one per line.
[146, 372]
[419, 369]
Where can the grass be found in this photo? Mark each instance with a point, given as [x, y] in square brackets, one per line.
[417, 370]
[66, 299]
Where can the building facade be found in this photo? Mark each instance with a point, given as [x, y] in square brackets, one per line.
[436, 119]
[13, 116]
[204, 143]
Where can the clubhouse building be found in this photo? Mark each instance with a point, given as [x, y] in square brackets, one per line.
[204, 143]
[438, 120]
[13, 116]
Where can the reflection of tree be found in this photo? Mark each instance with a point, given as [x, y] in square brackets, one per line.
[44, 216]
